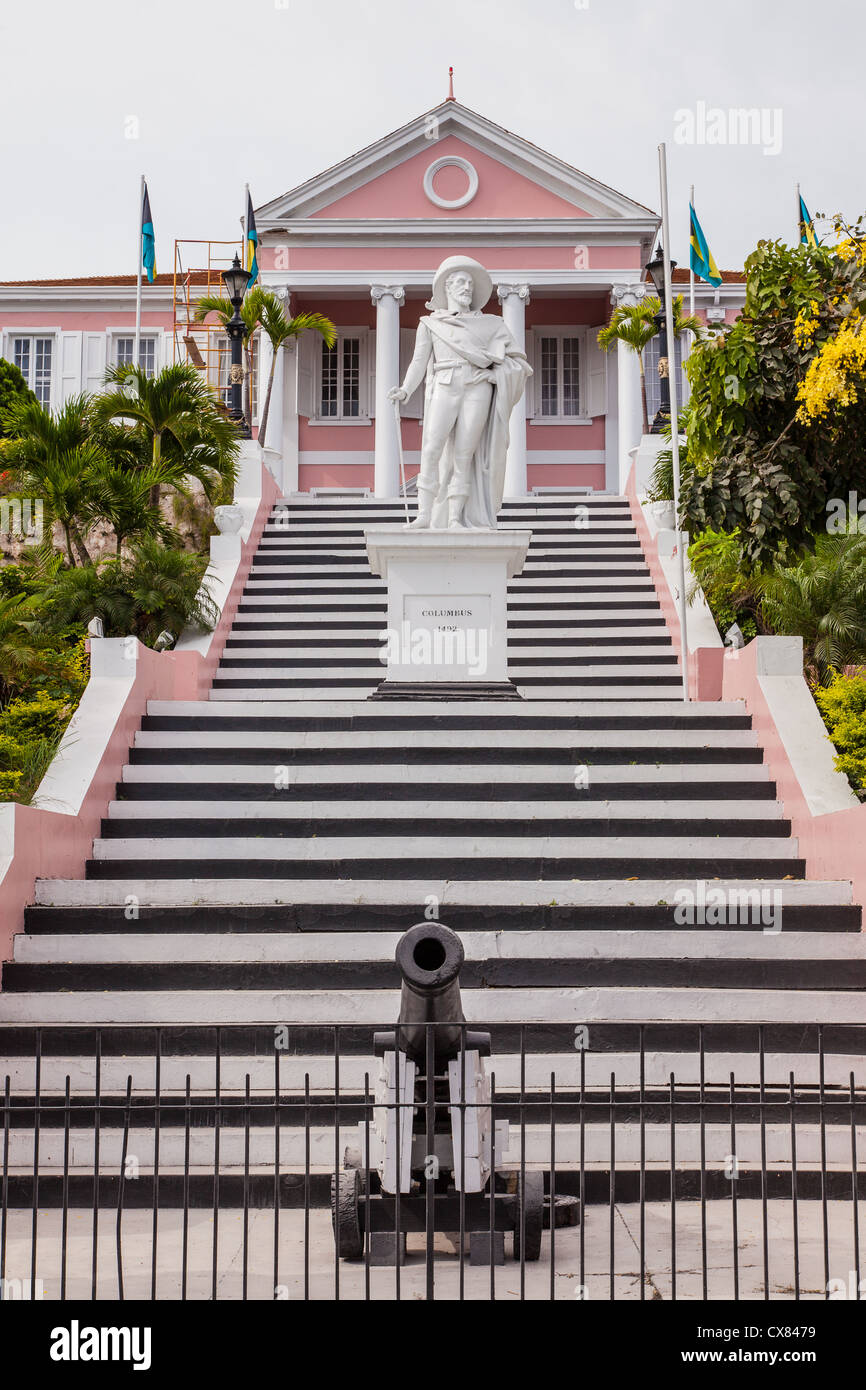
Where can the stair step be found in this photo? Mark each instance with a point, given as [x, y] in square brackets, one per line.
[593, 1070]
[465, 713]
[834, 1140]
[411, 895]
[695, 812]
[488, 953]
[375, 1008]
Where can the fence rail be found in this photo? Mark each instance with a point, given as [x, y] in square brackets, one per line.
[630, 1162]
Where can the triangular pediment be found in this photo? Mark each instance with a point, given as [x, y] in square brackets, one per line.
[401, 177]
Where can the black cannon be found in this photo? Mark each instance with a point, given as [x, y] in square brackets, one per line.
[427, 1158]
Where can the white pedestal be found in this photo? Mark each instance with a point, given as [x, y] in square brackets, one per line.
[447, 616]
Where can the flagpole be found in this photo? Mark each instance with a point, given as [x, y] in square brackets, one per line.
[799, 217]
[691, 268]
[248, 384]
[675, 422]
[137, 342]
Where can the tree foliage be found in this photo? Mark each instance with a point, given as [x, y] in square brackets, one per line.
[762, 466]
[13, 391]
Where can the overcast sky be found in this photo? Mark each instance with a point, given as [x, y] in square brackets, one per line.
[273, 91]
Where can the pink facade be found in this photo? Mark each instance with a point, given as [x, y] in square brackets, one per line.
[361, 243]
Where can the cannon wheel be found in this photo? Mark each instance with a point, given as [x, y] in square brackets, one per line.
[529, 1206]
[346, 1217]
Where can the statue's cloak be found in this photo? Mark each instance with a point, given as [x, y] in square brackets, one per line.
[483, 340]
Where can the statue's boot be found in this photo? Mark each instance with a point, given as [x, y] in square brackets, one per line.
[425, 511]
[456, 508]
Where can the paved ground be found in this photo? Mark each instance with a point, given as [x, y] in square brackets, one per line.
[567, 1283]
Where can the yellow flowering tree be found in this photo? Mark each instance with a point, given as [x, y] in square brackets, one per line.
[777, 416]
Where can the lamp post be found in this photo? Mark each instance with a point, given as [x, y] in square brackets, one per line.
[656, 271]
[235, 280]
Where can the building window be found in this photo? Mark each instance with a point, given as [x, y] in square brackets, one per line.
[558, 389]
[32, 357]
[340, 380]
[146, 353]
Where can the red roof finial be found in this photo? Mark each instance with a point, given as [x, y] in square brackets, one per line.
[451, 96]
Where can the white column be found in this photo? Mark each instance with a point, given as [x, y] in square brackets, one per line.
[387, 299]
[629, 410]
[289, 433]
[514, 299]
[281, 398]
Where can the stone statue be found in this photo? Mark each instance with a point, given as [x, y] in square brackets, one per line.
[475, 375]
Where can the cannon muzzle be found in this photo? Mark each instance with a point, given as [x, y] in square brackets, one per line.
[430, 957]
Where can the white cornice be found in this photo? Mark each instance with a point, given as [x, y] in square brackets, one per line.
[86, 297]
[594, 281]
[436, 230]
[449, 118]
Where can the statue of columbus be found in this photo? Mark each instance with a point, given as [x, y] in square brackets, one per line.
[475, 375]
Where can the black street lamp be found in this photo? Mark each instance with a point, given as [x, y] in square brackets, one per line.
[656, 272]
[236, 279]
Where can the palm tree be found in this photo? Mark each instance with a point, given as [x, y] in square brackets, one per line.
[152, 587]
[180, 417]
[279, 330]
[822, 599]
[220, 305]
[20, 654]
[166, 586]
[634, 325]
[51, 457]
[122, 496]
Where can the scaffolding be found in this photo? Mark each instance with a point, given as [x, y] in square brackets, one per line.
[198, 267]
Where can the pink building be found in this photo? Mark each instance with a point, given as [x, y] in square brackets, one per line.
[360, 243]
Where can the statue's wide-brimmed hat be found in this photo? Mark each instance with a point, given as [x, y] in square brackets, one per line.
[483, 285]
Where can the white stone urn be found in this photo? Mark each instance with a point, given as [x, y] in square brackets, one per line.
[229, 518]
[663, 512]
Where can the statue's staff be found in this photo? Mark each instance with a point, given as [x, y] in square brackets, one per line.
[400, 452]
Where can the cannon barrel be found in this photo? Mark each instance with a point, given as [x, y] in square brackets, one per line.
[429, 957]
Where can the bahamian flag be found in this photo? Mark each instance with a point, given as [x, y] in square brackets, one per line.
[700, 256]
[148, 240]
[252, 264]
[807, 227]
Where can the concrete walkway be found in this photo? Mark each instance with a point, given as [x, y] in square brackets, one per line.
[137, 1253]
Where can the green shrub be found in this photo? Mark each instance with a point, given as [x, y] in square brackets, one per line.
[843, 705]
[727, 580]
[152, 587]
[9, 785]
[26, 720]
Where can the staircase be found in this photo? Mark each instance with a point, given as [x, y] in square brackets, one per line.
[267, 846]
[584, 621]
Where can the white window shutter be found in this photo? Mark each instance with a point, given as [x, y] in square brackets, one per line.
[532, 383]
[368, 346]
[414, 407]
[596, 375]
[94, 361]
[309, 354]
[70, 365]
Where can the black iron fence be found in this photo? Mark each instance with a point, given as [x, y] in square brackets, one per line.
[583, 1162]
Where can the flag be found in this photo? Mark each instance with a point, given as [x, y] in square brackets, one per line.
[148, 240]
[252, 264]
[807, 227]
[700, 256]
